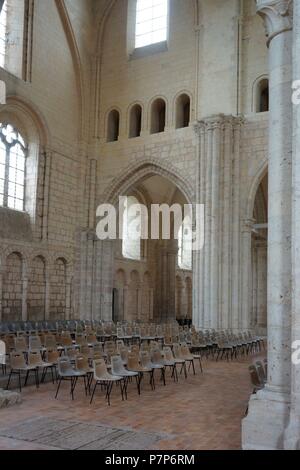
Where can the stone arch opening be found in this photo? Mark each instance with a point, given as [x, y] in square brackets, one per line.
[259, 257]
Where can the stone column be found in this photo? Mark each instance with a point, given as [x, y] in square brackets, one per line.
[254, 320]
[151, 292]
[103, 280]
[218, 179]
[244, 320]
[269, 409]
[47, 297]
[139, 301]
[292, 434]
[24, 297]
[125, 302]
[47, 177]
[261, 284]
[171, 278]
[68, 298]
[1, 281]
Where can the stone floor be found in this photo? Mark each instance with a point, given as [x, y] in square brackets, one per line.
[202, 412]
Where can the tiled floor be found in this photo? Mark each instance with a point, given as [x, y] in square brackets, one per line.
[202, 412]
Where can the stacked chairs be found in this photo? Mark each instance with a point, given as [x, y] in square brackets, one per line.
[258, 375]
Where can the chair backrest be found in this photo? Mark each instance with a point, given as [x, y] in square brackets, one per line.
[35, 343]
[81, 339]
[120, 344]
[17, 360]
[132, 361]
[135, 349]
[185, 350]
[2, 352]
[34, 358]
[260, 371]
[168, 354]
[91, 338]
[82, 362]
[71, 352]
[117, 365]
[64, 365]
[145, 346]
[100, 369]
[177, 351]
[266, 367]
[50, 341]
[85, 350]
[98, 348]
[20, 343]
[156, 357]
[254, 376]
[66, 340]
[124, 354]
[52, 356]
[145, 359]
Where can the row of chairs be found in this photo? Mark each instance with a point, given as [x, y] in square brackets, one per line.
[125, 365]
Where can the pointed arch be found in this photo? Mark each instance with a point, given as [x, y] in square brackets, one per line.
[142, 170]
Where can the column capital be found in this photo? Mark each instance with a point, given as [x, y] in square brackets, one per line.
[217, 121]
[247, 225]
[277, 16]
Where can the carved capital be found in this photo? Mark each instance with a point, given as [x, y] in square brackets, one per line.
[277, 16]
[219, 121]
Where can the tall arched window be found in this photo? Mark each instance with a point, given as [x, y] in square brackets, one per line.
[13, 153]
[158, 116]
[16, 22]
[132, 229]
[183, 111]
[262, 96]
[113, 126]
[135, 121]
[151, 22]
[185, 245]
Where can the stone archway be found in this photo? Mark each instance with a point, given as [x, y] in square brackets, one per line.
[98, 301]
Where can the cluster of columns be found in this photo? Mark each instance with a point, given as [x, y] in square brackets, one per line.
[217, 299]
[273, 421]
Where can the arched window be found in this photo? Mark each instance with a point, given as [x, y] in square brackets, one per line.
[183, 111]
[158, 116]
[132, 229]
[13, 152]
[135, 121]
[113, 126]
[16, 22]
[151, 22]
[185, 245]
[262, 96]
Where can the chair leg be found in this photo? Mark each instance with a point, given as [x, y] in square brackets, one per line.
[58, 387]
[108, 392]
[20, 386]
[73, 386]
[163, 375]
[26, 378]
[193, 366]
[94, 390]
[8, 382]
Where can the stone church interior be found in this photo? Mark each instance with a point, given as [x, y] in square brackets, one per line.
[113, 344]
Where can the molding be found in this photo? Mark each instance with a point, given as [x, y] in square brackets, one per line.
[69, 32]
